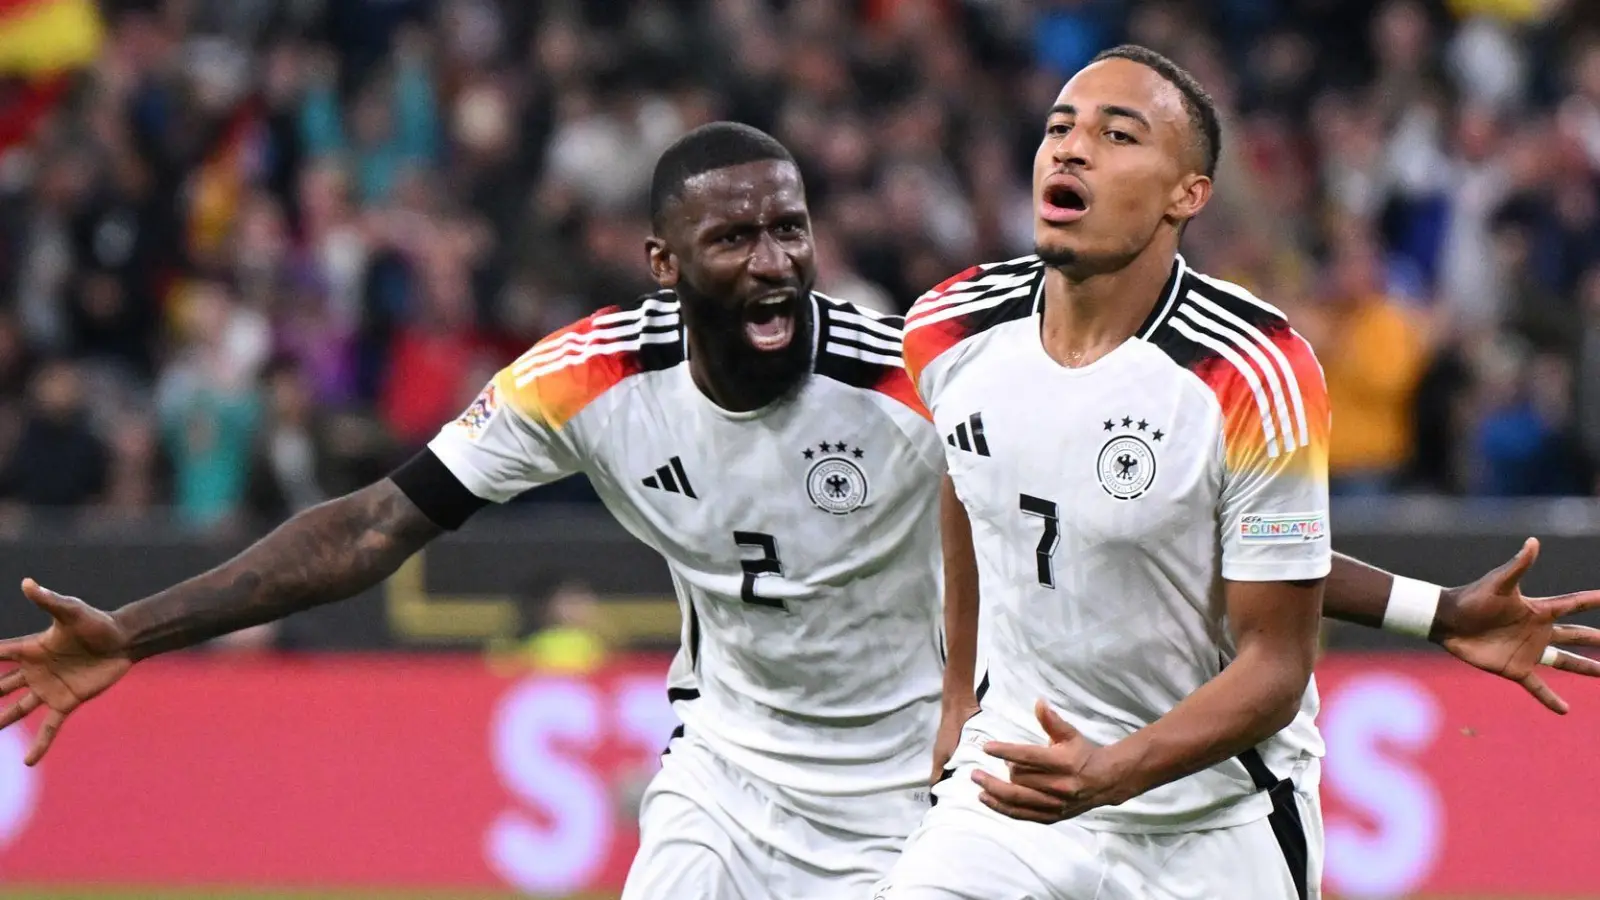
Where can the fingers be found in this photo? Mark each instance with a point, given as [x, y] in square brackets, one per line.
[1055, 726]
[1576, 635]
[1023, 754]
[59, 607]
[1511, 572]
[1017, 801]
[11, 681]
[12, 648]
[25, 704]
[1048, 783]
[1535, 685]
[1020, 812]
[1562, 659]
[1567, 604]
[46, 737]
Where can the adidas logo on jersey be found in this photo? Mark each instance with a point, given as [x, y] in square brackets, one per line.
[672, 479]
[968, 436]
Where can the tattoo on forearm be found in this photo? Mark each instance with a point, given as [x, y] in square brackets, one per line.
[329, 552]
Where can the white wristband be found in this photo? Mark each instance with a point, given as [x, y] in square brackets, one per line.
[1412, 606]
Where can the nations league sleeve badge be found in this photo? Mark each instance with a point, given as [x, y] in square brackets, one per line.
[477, 416]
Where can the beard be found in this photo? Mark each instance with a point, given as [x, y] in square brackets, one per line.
[1080, 266]
[1056, 257]
[761, 377]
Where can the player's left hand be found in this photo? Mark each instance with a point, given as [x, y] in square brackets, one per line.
[1491, 625]
[1049, 784]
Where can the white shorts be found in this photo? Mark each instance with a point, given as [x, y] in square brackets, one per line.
[708, 831]
[965, 851]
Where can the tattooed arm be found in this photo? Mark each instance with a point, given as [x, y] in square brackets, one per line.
[329, 552]
[503, 444]
[326, 553]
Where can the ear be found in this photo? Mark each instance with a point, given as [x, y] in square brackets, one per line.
[1189, 197]
[663, 262]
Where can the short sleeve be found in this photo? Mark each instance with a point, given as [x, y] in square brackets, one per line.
[506, 442]
[929, 349]
[1273, 513]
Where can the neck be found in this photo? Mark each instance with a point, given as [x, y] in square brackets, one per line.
[1087, 317]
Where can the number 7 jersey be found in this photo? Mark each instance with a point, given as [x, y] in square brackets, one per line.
[1110, 501]
[802, 538]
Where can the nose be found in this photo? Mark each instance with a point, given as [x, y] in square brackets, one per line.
[1072, 149]
[770, 261]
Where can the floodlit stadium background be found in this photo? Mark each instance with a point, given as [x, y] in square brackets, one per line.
[253, 252]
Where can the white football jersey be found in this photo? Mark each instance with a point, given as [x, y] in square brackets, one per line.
[802, 538]
[1109, 502]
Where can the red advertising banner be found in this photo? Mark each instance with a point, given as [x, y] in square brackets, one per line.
[410, 771]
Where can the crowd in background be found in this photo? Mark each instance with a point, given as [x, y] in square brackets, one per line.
[258, 251]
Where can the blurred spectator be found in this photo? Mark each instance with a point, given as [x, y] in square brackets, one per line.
[394, 197]
[392, 125]
[1587, 375]
[135, 485]
[58, 460]
[1524, 441]
[837, 278]
[290, 457]
[210, 406]
[1372, 354]
[568, 640]
[564, 635]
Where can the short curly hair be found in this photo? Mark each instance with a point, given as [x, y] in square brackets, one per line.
[716, 145]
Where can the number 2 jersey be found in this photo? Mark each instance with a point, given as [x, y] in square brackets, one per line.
[1109, 502]
[801, 538]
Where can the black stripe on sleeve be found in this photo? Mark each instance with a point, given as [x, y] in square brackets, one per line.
[429, 483]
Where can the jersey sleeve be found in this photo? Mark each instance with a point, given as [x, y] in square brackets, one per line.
[506, 441]
[1274, 506]
[933, 328]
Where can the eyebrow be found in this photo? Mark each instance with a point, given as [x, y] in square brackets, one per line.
[1106, 109]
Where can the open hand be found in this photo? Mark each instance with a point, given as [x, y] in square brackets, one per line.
[1491, 625]
[1052, 783]
[82, 653]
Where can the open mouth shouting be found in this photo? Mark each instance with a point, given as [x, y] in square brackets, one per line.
[769, 320]
[1063, 200]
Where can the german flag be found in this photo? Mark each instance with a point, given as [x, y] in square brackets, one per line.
[42, 42]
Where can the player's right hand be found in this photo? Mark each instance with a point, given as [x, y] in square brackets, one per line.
[82, 653]
[951, 721]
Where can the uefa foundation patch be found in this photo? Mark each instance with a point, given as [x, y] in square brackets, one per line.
[1282, 528]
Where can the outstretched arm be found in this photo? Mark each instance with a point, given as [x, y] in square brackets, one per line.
[329, 552]
[503, 444]
[1356, 592]
[1488, 623]
[326, 553]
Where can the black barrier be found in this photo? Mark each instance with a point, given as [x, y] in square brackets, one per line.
[488, 580]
